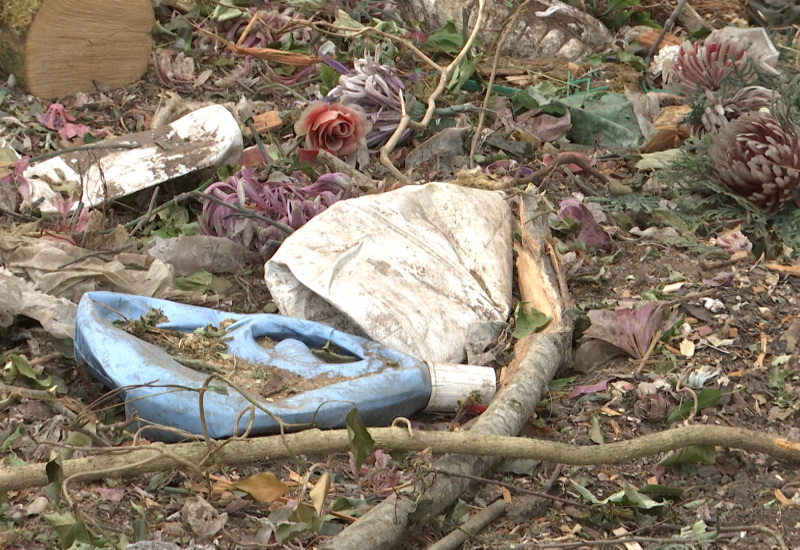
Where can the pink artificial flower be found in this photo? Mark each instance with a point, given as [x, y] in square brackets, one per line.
[337, 129]
[57, 118]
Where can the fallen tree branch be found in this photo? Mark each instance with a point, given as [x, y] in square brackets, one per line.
[165, 457]
[471, 527]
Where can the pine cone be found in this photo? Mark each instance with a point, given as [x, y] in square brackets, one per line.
[758, 157]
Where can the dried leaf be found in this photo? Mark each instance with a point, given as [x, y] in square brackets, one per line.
[595, 432]
[320, 491]
[631, 330]
[263, 486]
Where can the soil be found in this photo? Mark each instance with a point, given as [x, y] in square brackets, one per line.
[738, 336]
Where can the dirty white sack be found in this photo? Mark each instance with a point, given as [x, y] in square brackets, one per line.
[426, 270]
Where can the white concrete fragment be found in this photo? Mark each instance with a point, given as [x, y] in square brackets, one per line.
[202, 140]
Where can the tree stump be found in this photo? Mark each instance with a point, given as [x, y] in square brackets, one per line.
[60, 47]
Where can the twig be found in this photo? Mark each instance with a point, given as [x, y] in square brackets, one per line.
[608, 542]
[501, 41]
[177, 199]
[395, 138]
[246, 213]
[664, 30]
[350, 33]
[650, 349]
[336, 164]
[562, 158]
[511, 487]
[146, 218]
[95, 254]
[247, 114]
[444, 76]
[759, 528]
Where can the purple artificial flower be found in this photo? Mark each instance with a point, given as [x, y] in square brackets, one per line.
[376, 89]
[289, 200]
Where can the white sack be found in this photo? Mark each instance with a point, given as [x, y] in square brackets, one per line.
[423, 269]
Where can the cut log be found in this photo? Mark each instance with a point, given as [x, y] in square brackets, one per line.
[60, 47]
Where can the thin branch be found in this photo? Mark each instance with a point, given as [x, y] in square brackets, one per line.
[464, 443]
[444, 76]
[501, 41]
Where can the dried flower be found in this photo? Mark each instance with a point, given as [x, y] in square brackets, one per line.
[290, 200]
[758, 157]
[337, 129]
[177, 73]
[710, 64]
[734, 241]
[718, 110]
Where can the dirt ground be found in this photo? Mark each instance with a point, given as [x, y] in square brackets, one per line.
[735, 329]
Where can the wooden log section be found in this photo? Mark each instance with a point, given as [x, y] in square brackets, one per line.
[60, 47]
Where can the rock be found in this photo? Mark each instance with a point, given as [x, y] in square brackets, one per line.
[543, 29]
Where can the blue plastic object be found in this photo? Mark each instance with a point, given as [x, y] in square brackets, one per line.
[384, 383]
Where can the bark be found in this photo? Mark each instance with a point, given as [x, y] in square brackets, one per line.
[60, 47]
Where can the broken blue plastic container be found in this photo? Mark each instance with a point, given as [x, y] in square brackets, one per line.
[383, 383]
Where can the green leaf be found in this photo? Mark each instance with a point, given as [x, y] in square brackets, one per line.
[8, 439]
[305, 521]
[631, 59]
[140, 529]
[447, 39]
[65, 527]
[350, 506]
[463, 72]
[708, 397]
[55, 476]
[524, 100]
[328, 78]
[560, 383]
[224, 13]
[24, 368]
[83, 534]
[777, 378]
[638, 499]
[585, 493]
[693, 454]
[361, 443]
[608, 115]
[528, 322]
[204, 282]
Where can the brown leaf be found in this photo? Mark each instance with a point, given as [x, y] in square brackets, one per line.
[264, 487]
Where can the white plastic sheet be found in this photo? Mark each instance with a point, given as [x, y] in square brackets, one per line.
[426, 270]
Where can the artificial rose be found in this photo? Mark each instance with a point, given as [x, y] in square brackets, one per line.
[337, 129]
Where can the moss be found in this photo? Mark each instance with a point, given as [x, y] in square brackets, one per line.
[16, 15]
[11, 61]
